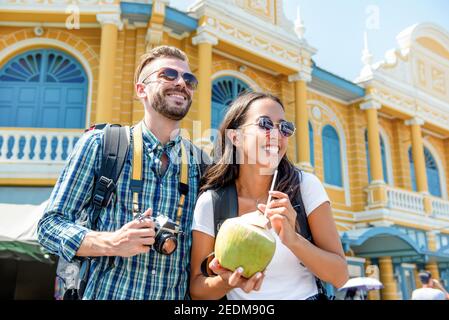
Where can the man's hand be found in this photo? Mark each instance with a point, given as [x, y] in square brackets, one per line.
[134, 238]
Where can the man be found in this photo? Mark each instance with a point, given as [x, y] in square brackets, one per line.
[428, 291]
[164, 84]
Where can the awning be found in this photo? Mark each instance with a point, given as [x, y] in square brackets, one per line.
[378, 242]
[18, 232]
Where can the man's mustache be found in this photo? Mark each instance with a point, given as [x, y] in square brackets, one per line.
[179, 90]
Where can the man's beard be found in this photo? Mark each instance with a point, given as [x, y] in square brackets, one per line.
[170, 111]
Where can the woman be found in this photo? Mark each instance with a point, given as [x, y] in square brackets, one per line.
[255, 151]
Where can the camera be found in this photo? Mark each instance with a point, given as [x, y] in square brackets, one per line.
[165, 239]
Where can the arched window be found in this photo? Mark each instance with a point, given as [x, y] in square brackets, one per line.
[331, 157]
[43, 88]
[433, 176]
[311, 146]
[383, 155]
[224, 91]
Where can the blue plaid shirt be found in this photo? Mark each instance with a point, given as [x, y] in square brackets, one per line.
[144, 276]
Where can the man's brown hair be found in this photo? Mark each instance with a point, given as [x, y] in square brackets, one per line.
[158, 52]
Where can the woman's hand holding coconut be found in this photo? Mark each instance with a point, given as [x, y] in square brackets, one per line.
[235, 279]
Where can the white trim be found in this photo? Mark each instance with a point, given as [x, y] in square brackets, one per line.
[431, 133]
[356, 259]
[408, 266]
[370, 104]
[249, 64]
[441, 171]
[110, 18]
[331, 186]
[238, 75]
[414, 121]
[401, 217]
[62, 45]
[341, 132]
[384, 115]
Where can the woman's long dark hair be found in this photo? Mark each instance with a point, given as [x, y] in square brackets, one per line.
[225, 168]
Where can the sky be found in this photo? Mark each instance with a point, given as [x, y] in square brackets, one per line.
[336, 27]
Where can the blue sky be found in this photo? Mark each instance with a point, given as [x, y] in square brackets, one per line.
[336, 27]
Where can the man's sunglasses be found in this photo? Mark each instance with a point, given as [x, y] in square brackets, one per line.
[286, 128]
[169, 75]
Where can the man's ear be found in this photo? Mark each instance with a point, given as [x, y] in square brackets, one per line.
[140, 90]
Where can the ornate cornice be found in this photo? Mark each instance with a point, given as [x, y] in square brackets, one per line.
[414, 121]
[203, 36]
[110, 18]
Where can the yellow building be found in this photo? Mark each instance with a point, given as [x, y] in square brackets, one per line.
[380, 145]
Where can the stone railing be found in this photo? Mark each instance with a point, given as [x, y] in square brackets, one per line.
[35, 153]
[405, 200]
[440, 208]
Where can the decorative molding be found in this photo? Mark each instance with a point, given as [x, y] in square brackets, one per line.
[370, 104]
[252, 84]
[204, 37]
[414, 121]
[155, 34]
[303, 75]
[110, 18]
[412, 78]
[231, 23]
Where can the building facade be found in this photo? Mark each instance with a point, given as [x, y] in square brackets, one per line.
[379, 144]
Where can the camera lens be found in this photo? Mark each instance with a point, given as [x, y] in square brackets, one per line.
[165, 243]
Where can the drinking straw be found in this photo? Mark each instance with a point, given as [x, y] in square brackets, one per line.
[272, 188]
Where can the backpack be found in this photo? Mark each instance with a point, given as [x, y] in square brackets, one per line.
[225, 201]
[115, 152]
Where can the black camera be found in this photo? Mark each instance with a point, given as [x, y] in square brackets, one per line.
[166, 238]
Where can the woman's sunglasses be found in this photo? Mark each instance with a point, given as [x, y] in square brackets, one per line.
[286, 128]
[169, 75]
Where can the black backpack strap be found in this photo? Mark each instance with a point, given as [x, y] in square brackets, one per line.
[225, 204]
[304, 230]
[301, 215]
[115, 152]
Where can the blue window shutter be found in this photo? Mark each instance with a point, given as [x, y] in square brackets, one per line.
[384, 159]
[311, 146]
[412, 169]
[368, 163]
[332, 157]
[224, 91]
[43, 88]
[433, 176]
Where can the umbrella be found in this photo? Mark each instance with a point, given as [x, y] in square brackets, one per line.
[363, 283]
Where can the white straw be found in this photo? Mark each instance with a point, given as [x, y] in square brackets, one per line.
[272, 188]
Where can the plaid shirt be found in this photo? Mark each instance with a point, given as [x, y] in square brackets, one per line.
[144, 276]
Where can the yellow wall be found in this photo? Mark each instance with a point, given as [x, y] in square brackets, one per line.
[336, 194]
[357, 158]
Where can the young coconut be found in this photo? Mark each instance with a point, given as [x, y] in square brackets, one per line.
[245, 242]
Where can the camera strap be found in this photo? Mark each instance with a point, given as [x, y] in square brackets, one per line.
[136, 181]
